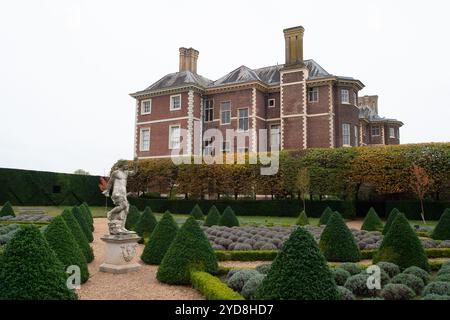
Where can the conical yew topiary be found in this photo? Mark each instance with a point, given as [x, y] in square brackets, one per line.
[31, 271]
[392, 215]
[337, 242]
[81, 219]
[213, 217]
[325, 216]
[442, 229]
[7, 210]
[147, 222]
[65, 246]
[197, 213]
[189, 251]
[228, 218]
[132, 218]
[88, 214]
[160, 240]
[401, 246]
[302, 219]
[372, 222]
[299, 272]
[78, 234]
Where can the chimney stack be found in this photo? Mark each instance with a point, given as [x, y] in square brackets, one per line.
[188, 59]
[293, 38]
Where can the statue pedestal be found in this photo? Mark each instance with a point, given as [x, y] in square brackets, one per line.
[120, 253]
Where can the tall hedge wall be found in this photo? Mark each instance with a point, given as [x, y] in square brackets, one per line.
[40, 188]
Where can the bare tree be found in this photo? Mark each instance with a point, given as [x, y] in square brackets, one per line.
[420, 183]
[303, 184]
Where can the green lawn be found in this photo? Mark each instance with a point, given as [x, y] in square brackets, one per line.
[100, 212]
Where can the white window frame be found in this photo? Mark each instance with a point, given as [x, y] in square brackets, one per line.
[392, 133]
[243, 118]
[355, 98]
[348, 135]
[356, 133]
[347, 95]
[172, 108]
[171, 145]
[141, 139]
[226, 147]
[371, 131]
[209, 107]
[278, 135]
[208, 147]
[221, 112]
[315, 94]
[268, 103]
[143, 112]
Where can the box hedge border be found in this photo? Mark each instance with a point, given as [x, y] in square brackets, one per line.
[212, 288]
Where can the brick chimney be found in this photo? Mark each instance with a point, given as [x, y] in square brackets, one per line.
[294, 45]
[188, 59]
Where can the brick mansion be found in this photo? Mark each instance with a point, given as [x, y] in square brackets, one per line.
[299, 104]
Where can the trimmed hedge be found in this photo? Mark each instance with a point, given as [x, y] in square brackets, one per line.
[78, 234]
[65, 246]
[442, 229]
[302, 219]
[326, 215]
[133, 217]
[213, 217]
[337, 242]
[189, 251]
[401, 246]
[197, 213]
[299, 272]
[160, 240]
[146, 224]
[88, 214]
[212, 288]
[30, 269]
[372, 222]
[228, 218]
[390, 219]
[7, 210]
[81, 219]
[246, 255]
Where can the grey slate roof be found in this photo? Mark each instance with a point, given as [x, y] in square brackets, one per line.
[370, 115]
[268, 75]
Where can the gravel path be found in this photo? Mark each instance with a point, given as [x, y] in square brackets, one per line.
[140, 285]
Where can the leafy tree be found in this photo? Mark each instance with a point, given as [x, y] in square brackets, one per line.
[303, 181]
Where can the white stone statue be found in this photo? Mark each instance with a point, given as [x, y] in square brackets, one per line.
[118, 182]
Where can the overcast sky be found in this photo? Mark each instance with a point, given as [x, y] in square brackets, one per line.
[67, 67]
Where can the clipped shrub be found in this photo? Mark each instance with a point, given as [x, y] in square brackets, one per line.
[326, 214]
[299, 272]
[264, 268]
[213, 217]
[413, 282]
[392, 215]
[390, 268]
[442, 229]
[228, 218]
[160, 240]
[395, 291]
[436, 297]
[189, 251]
[7, 210]
[372, 221]
[401, 246]
[345, 294]
[418, 272]
[357, 284]
[337, 242]
[146, 224]
[437, 287]
[212, 288]
[76, 211]
[351, 267]
[444, 277]
[238, 280]
[133, 217]
[340, 276]
[252, 285]
[65, 246]
[30, 269]
[302, 219]
[78, 234]
[197, 213]
[88, 215]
